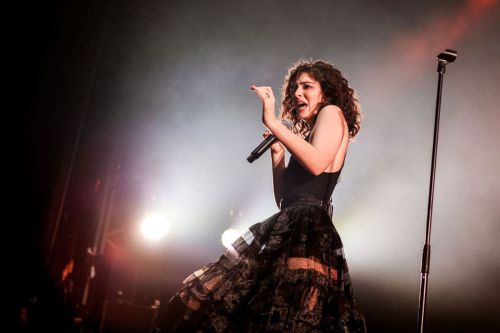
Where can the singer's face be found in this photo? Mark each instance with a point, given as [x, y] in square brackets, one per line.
[308, 97]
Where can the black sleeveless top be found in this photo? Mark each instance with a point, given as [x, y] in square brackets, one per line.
[298, 181]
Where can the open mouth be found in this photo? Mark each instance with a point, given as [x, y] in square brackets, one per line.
[301, 106]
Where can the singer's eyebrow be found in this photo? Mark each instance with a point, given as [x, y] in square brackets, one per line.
[306, 82]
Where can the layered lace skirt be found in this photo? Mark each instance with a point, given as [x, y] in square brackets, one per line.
[285, 274]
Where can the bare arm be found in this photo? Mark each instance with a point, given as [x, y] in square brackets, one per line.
[278, 167]
[328, 132]
[278, 160]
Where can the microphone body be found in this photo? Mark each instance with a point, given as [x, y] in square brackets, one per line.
[264, 145]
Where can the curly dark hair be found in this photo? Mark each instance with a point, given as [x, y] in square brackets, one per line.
[335, 90]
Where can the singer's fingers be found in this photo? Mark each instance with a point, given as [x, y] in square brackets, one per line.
[265, 93]
[257, 89]
[262, 89]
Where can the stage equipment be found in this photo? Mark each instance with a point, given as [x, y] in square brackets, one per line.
[443, 59]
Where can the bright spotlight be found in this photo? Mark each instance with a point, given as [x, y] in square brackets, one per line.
[229, 236]
[154, 227]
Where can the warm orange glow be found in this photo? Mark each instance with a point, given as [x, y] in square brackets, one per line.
[311, 263]
[440, 33]
[68, 269]
[414, 50]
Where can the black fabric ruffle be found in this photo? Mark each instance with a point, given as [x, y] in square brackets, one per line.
[285, 274]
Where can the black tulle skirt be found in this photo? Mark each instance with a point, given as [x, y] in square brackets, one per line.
[285, 274]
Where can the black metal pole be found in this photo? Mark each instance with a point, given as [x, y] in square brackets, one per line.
[443, 59]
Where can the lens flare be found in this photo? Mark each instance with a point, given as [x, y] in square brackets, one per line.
[154, 227]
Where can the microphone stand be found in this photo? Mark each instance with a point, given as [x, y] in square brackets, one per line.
[443, 59]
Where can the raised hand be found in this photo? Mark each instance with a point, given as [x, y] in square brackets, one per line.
[268, 103]
[265, 93]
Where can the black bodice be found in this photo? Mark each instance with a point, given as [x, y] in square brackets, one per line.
[298, 181]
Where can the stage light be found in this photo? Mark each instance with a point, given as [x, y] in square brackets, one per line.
[229, 236]
[154, 227]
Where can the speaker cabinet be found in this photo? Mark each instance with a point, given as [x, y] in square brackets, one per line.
[126, 318]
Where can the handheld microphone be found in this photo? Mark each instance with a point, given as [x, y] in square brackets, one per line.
[264, 145]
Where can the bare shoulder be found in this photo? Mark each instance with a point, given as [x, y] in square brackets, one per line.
[331, 113]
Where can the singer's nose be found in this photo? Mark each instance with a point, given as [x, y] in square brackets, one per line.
[298, 92]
